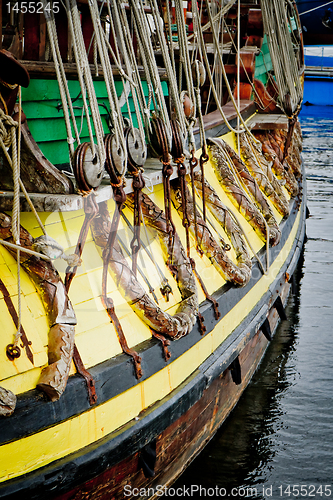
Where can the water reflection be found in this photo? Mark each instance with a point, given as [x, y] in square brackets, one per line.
[241, 452]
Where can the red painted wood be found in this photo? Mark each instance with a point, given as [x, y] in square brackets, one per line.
[88, 31]
[63, 33]
[31, 37]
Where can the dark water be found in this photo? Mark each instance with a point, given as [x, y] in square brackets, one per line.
[281, 433]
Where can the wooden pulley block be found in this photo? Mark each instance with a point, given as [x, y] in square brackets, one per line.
[245, 91]
[254, 23]
[158, 139]
[136, 147]
[188, 105]
[116, 158]
[247, 64]
[198, 72]
[177, 149]
[87, 169]
[78, 169]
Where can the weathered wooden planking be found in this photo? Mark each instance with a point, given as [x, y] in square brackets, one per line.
[37, 69]
[37, 173]
[182, 440]
[42, 106]
[269, 122]
[214, 119]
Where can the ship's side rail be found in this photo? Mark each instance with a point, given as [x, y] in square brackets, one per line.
[113, 376]
[119, 445]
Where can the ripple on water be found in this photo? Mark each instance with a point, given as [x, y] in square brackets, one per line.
[281, 431]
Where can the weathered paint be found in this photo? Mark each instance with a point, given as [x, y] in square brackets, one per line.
[263, 63]
[46, 446]
[40, 103]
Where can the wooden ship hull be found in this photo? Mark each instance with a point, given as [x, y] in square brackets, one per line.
[122, 355]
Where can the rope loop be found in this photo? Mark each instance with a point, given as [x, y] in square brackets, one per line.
[203, 159]
[118, 184]
[6, 124]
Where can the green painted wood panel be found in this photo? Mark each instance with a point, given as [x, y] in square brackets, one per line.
[41, 104]
[263, 63]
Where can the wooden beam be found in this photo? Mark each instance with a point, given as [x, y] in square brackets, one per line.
[268, 122]
[40, 69]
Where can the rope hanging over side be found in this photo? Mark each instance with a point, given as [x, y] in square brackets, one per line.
[237, 194]
[237, 274]
[283, 57]
[182, 322]
[268, 183]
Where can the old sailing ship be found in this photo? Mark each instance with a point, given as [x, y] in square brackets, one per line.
[152, 215]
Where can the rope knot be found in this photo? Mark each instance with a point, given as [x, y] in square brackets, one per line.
[118, 184]
[6, 124]
[7, 120]
[72, 260]
[51, 248]
[179, 160]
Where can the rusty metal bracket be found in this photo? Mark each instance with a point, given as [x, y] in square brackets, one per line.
[91, 211]
[120, 198]
[193, 163]
[138, 185]
[203, 159]
[165, 344]
[86, 375]
[109, 306]
[11, 350]
[208, 297]
[201, 321]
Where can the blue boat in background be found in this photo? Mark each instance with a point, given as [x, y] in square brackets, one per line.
[317, 21]
[318, 75]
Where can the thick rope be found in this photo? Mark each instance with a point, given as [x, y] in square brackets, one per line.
[282, 55]
[86, 83]
[219, 54]
[117, 123]
[8, 128]
[63, 85]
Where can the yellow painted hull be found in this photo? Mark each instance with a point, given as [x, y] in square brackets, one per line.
[76, 431]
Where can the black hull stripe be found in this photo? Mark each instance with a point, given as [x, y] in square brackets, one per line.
[79, 467]
[34, 413]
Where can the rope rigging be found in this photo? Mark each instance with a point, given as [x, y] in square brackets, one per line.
[125, 147]
[283, 56]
